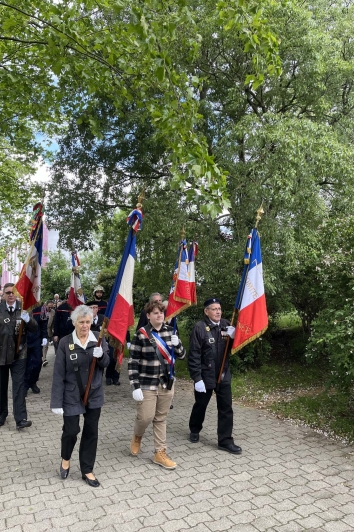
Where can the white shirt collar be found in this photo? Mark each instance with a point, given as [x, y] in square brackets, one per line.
[91, 338]
[11, 306]
[215, 322]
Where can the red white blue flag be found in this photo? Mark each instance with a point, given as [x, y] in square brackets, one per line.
[120, 310]
[28, 287]
[76, 295]
[252, 319]
[180, 292]
[192, 254]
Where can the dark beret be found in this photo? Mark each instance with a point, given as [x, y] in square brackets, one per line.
[211, 301]
[90, 303]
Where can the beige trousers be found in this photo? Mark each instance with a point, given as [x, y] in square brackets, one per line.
[154, 408]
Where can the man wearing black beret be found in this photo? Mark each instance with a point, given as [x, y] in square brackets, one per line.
[206, 350]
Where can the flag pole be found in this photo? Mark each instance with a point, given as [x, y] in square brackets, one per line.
[33, 241]
[106, 322]
[260, 211]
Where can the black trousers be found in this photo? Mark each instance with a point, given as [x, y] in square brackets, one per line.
[34, 365]
[111, 372]
[17, 369]
[89, 438]
[225, 413]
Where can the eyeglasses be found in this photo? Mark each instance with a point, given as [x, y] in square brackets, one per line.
[8, 293]
[215, 309]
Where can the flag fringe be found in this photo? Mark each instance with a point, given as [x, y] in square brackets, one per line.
[174, 314]
[248, 341]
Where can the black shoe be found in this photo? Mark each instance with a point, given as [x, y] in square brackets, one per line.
[2, 421]
[194, 437]
[64, 473]
[108, 382]
[35, 389]
[230, 448]
[45, 363]
[116, 383]
[93, 483]
[23, 424]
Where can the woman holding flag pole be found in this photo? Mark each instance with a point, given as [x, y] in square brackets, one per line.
[149, 374]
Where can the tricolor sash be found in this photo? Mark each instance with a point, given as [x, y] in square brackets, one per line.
[163, 348]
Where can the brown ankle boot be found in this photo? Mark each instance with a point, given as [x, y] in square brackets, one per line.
[163, 460]
[135, 445]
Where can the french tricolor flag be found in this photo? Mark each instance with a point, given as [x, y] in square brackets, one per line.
[252, 320]
[76, 295]
[28, 287]
[180, 292]
[192, 253]
[120, 310]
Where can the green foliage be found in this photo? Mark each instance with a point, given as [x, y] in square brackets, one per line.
[253, 355]
[17, 196]
[61, 57]
[55, 276]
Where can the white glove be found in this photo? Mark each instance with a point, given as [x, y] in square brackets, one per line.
[174, 339]
[128, 345]
[25, 316]
[44, 342]
[138, 395]
[58, 411]
[200, 387]
[97, 352]
[231, 331]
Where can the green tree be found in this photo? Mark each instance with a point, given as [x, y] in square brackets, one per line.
[55, 275]
[62, 56]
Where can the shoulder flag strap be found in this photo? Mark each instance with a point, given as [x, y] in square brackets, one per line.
[160, 344]
[156, 339]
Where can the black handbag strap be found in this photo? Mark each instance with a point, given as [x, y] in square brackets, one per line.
[73, 357]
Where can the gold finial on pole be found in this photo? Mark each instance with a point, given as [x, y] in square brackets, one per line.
[182, 233]
[259, 212]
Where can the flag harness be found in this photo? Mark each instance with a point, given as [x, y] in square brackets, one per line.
[170, 379]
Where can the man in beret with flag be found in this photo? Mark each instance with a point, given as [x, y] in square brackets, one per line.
[206, 351]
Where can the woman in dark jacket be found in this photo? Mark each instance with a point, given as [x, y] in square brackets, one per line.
[71, 368]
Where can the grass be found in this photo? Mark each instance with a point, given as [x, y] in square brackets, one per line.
[330, 412]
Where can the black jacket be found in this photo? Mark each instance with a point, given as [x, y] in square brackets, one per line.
[62, 321]
[9, 325]
[35, 338]
[65, 390]
[97, 327]
[204, 362]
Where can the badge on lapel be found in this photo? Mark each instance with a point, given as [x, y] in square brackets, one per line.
[71, 347]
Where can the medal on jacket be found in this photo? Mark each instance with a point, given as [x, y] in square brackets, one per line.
[71, 347]
[207, 328]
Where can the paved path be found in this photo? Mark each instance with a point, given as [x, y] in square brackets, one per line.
[288, 478]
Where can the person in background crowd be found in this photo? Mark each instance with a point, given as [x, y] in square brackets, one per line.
[71, 368]
[35, 342]
[155, 297]
[62, 321]
[57, 301]
[97, 296]
[206, 350]
[149, 374]
[50, 330]
[97, 318]
[13, 357]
